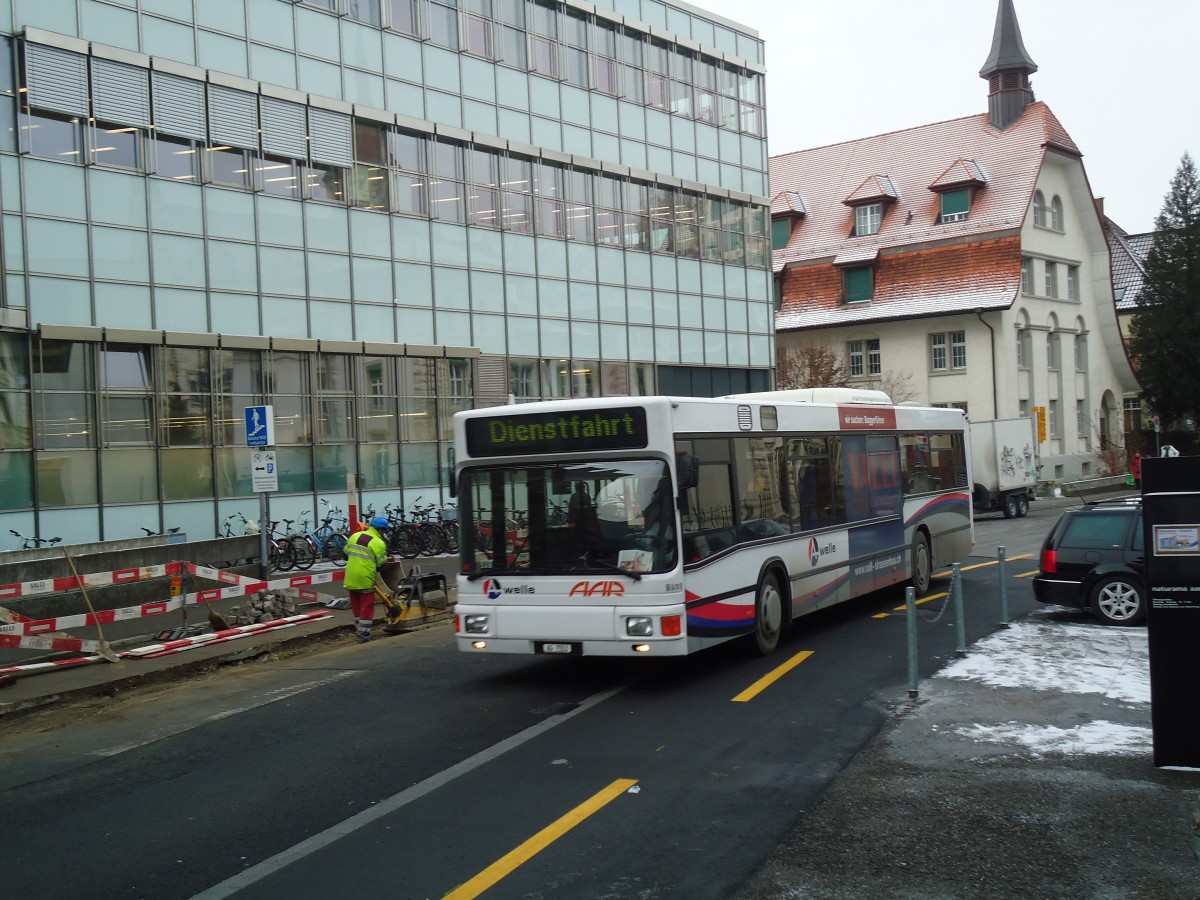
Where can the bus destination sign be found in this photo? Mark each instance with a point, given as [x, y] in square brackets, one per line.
[614, 428]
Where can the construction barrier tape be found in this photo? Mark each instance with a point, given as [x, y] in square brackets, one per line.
[98, 579]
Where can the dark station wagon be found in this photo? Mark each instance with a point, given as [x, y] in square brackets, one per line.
[1094, 558]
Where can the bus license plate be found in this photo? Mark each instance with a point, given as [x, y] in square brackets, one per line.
[558, 648]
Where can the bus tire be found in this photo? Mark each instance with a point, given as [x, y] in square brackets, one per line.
[768, 614]
[922, 564]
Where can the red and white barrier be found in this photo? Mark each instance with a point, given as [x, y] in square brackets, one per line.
[240, 586]
[54, 645]
[218, 637]
[97, 579]
[35, 668]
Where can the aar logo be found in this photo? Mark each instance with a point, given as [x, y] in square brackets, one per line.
[492, 589]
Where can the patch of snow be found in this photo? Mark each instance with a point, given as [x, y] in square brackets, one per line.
[1107, 738]
[1055, 656]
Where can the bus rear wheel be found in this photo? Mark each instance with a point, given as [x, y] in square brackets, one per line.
[922, 567]
[768, 614]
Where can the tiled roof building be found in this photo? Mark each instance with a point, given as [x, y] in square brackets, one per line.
[963, 262]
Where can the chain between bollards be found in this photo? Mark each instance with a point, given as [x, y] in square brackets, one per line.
[959, 626]
[910, 615]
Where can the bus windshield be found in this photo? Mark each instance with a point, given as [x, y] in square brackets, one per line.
[568, 518]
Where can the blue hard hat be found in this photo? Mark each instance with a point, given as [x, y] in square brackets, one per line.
[380, 522]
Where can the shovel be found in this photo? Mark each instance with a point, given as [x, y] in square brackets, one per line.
[105, 650]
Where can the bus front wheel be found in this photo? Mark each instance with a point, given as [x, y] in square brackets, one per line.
[922, 567]
[768, 609]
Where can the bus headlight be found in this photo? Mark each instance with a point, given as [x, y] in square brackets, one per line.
[475, 624]
[639, 626]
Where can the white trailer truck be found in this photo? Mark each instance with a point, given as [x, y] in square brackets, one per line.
[1003, 466]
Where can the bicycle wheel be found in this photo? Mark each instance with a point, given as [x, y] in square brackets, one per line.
[406, 541]
[302, 551]
[450, 530]
[284, 554]
[335, 548]
[430, 539]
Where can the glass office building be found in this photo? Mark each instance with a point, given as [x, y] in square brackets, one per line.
[368, 214]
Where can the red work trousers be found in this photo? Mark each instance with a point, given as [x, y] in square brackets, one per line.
[363, 604]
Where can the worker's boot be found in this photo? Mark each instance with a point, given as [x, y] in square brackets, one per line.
[364, 630]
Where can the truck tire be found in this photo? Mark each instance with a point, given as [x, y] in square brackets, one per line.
[1022, 506]
[1010, 506]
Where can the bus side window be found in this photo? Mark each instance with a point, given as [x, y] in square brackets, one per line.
[708, 522]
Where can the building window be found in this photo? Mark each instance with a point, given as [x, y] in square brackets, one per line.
[1052, 351]
[1072, 282]
[1081, 427]
[117, 145]
[402, 16]
[864, 358]
[52, 136]
[1024, 348]
[1080, 353]
[477, 36]
[443, 25]
[958, 349]
[1056, 213]
[1039, 209]
[859, 284]
[781, 233]
[956, 341]
[937, 352]
[1026, 275]
[955, 205]
[867, 218]
[227, 166]
[364, 11]
[176, 158]
[322, 182]
[1053, 420]
[1133, 415]
[277, 175]
[1051, 279]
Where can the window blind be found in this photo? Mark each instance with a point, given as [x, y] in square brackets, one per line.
[57, 79]
[120, 93]
[233, 117]
[284, 128]
[332, 142]
[178, 105]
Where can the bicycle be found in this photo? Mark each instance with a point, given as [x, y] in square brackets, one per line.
[431, 540]
[33, 543]
[402, 534]
[249, 526]
[280, 555]
[304, 551]
[324, 541]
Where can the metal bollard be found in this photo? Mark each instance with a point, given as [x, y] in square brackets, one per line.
[959, 625]
[910, 615]
[1003, 570]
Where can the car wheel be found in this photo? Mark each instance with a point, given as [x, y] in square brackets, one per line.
[1118, 600]
[1022, 506]
[768, 615]
[922, 565]
[1010, 506]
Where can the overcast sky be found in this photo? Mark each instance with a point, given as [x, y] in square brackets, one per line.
[1122, 77]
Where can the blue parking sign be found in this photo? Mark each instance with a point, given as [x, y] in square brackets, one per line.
[260, 426]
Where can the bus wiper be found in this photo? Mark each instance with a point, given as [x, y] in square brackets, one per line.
[609, 567]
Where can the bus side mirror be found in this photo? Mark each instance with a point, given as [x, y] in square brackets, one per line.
[687, 468]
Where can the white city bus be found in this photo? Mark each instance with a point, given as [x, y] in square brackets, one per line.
[662, 525]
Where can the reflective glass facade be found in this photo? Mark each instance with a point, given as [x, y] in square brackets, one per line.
[368, 214]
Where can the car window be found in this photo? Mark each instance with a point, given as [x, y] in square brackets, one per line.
[1139, 540]
[1098, 531]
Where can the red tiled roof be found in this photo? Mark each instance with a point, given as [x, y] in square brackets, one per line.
[875, 187]
[788, 203]
[955, 278]
[960, 173]
[913, 160]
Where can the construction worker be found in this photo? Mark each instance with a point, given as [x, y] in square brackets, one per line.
[366, 551]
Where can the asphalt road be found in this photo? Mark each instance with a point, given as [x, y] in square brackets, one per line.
[405, 769]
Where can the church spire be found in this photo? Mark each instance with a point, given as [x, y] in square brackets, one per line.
[1007, 70]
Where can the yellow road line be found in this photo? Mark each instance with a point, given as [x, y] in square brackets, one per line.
[990, 562]
[517, 857]
[771, 677]
[924, 599]
[1027, 574]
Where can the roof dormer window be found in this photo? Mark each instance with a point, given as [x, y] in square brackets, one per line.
[868, 218]
[956, 188]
